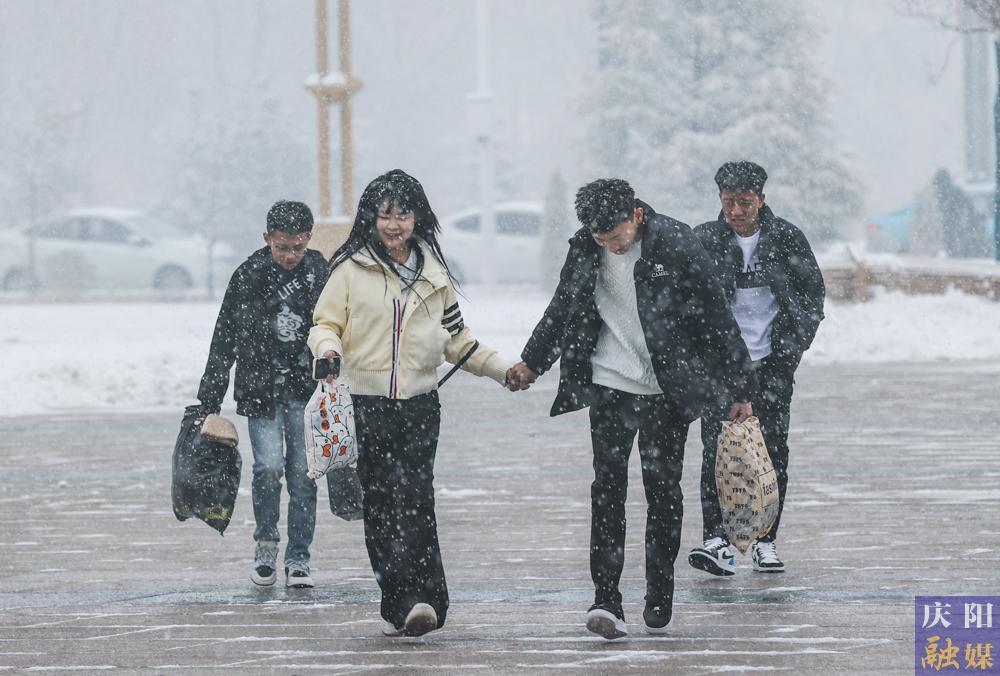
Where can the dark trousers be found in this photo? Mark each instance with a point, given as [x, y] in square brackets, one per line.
[397, 442]
[776, 376]
[615, 419]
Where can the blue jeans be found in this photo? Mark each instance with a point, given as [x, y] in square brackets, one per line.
[279, 447]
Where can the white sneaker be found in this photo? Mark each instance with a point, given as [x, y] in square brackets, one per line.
[389, 629]
[297, 575]
[265, 559]
[421, 619]
[716, 557]
[606, 624]
[765, 558]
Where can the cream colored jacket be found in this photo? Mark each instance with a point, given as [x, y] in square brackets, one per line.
[390, 348]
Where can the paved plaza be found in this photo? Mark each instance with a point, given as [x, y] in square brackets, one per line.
[894, 491]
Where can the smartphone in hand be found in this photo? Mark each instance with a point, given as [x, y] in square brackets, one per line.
[323, 368]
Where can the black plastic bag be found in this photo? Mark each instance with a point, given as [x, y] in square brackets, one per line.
[346, 494]
[206, 475]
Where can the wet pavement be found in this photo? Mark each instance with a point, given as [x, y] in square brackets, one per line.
[894, 491]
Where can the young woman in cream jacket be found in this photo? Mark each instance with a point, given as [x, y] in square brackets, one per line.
[390, 312]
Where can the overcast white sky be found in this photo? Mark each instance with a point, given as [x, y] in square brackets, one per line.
[895, 97]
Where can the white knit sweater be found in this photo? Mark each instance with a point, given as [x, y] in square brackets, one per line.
[621, 359]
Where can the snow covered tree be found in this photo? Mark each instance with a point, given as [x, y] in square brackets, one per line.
[685, 85]
[229, 173]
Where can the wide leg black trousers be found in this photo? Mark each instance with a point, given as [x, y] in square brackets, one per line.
[397, 444]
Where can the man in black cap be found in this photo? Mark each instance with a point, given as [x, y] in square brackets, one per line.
[776, 291]
[262, 328]
[645, 338]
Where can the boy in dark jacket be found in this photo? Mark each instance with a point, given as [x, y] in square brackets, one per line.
[262, 327]
[776, 291]
[646, 340]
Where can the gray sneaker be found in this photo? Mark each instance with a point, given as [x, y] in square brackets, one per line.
[265, 559]
[297, 575]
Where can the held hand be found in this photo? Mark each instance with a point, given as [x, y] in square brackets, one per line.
[330, 355]
[740, 411]
[520, 377]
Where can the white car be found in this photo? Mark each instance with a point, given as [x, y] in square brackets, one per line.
[517, 248]
[111, 249]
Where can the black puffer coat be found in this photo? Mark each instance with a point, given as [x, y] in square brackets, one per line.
[788, 264]
[245, 333]
[698, 356]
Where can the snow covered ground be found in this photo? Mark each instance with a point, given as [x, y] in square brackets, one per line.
[149, 356]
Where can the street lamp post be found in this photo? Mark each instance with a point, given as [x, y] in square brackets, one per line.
[331, 88]
[481, 124]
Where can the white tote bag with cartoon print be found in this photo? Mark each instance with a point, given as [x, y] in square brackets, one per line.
[331, 441]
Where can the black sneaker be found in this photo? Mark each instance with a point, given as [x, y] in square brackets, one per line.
[609, 624]
[657, 618]
[716, 557]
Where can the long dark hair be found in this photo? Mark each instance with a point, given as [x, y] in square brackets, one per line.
[406, 193]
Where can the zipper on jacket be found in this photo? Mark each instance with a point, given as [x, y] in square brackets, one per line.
[397, 332]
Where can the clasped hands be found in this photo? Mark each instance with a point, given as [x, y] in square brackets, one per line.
[520, 377]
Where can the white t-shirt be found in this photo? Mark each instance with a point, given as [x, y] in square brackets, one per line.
[754, 305]
[621, 359]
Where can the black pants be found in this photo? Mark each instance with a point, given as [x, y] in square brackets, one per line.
[397, 442]
[776, 376]
[614, 421]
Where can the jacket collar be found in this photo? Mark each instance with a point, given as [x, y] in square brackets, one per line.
[766, 219]
[649, 233]
[433, 272]
[261, 259]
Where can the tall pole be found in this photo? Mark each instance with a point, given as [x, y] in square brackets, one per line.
[996, 139]
[323, 112]
[331, 88]
[481, 123]
[346, 139]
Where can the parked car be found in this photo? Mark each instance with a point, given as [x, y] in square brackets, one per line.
[517, 248]
[111, 249]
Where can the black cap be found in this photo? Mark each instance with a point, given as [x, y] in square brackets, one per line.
[741, 176]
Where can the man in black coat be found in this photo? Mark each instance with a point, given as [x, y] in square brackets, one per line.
[646, 340]
[776, 291]
[262, 327]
